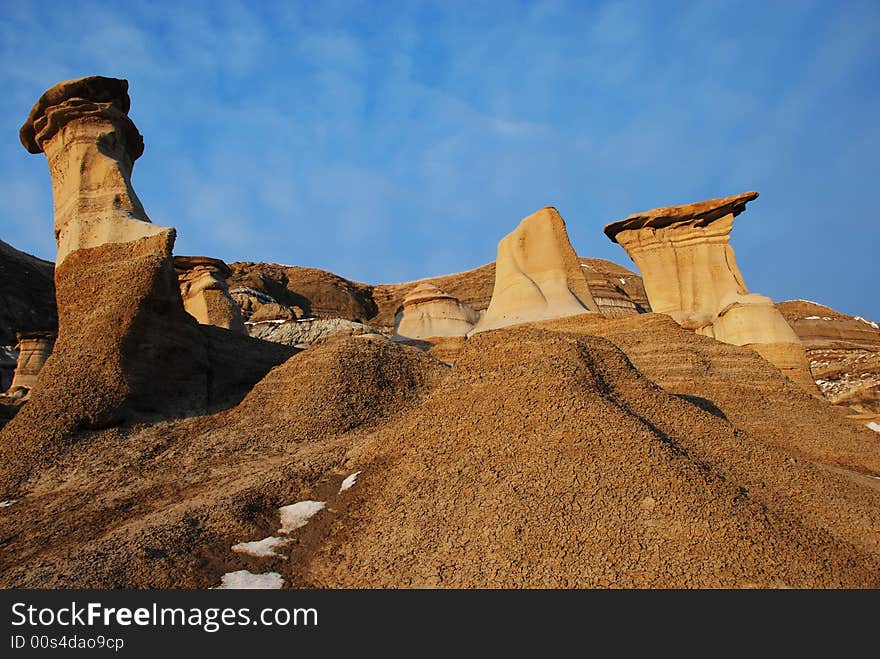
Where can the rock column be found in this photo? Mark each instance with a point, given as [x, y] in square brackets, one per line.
[91, 144]
[537, 275]
[34, 349]
[690, 273]
[431, 312]
[205, 292]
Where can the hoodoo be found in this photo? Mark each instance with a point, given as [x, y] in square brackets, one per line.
[537, 275]
[429, 311]
[690, 273]
[91, 144]
[126, 348]
[34, 349]
[205, 292]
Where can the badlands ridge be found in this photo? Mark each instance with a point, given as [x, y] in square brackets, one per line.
[546, 420]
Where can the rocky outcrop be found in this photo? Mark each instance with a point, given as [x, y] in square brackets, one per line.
[690, 273]
[310, 292]
[126, 349]
[27, 294]
[274, 311]
[91, 144]
[537, 275]
[268, 291]
[428, 312]
[304, 332]
[34, 349]
[844, 354]
[205, 294]
[618, 292]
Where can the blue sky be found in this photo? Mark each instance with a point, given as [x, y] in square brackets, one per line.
[388, 141]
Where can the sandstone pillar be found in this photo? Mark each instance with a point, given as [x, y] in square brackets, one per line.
[34, 349]
[690, 273]
[537, 275]
[126, 349]
[205, 292]
[91, 144]
[431, 312]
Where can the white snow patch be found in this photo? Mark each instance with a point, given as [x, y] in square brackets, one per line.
[246, 580]
[9, 502]
[622, 280]
[298, 514]
[262, 548]
[867, 322]
[349, 482]
[873, 425]
[262, 322]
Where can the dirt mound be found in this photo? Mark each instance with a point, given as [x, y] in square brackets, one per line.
[578, 452]
[27, 294]
[545, 459]
[126, 350]
[161, 506]
[736, 384]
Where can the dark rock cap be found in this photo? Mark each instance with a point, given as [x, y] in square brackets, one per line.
[702, 211]
[83, 92]
[184, 263]
[37, 334]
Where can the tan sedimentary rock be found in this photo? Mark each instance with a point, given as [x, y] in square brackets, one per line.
[429, 311]
[126, 348]
[90, 143]
[274, 311]
[205, 293]
[34, 349]
[618, 292]
[843, 351]
[537, 275]
[690, 273]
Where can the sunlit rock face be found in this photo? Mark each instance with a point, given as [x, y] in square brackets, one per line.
[429, 311]
[205, 293]
[126, 348]
[91, 144]
[537, 275]
[690, 273]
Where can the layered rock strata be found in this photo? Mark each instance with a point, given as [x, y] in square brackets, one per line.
[690, 273]
[844, 354]
[205, 293]
[537, 275]
[429, 311]
[34, 349]
[306, 331]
